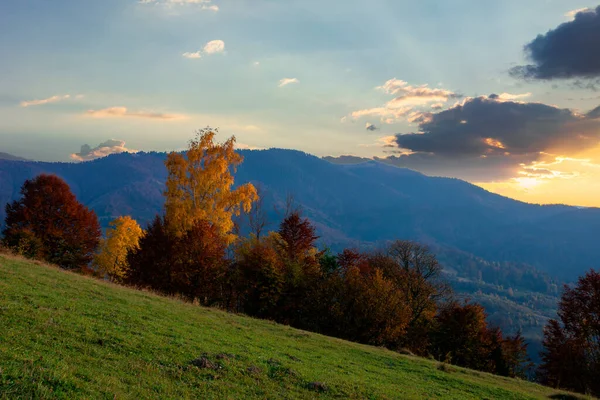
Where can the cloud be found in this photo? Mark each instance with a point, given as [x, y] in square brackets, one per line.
[201, 4]
[571, 14]
[53, 99]
[120, 112]
[370, 127]
[287, 81]
[484, 125]
[408, 103]
[243, 146]
[509, 96]
[112, 146]
[489, 138]
[568, 51]
[414, 95]
[193, 55]
[212, 47]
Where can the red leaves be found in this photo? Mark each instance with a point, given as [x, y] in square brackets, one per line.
[571, 357]
[49, 223]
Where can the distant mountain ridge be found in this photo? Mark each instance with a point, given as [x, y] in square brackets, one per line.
[6, 156]
[352, 204]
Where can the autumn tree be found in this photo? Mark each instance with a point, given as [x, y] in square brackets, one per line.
[260, 276]
[192, 265]
[150, 263]
[418, 276]
[50, 224]
[571, 356]
[258, 220]
[462, 337]
[200, 186]
[122, 236]
[362, 305]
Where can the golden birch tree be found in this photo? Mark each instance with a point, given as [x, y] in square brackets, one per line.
[199, 186]
[111, 260]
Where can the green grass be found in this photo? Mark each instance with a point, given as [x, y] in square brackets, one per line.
[67, 336]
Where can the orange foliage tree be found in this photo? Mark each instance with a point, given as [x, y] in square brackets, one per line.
[122, 236]
[50, 224]
[200, 186]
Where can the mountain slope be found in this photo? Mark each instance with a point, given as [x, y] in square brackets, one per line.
[67, 336]
[352, 204]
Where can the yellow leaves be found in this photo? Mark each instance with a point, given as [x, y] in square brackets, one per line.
[199, 186]
[123, 235]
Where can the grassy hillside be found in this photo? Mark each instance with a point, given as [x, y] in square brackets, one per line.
[67, 336]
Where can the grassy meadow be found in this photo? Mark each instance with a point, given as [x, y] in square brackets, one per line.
[63, 335]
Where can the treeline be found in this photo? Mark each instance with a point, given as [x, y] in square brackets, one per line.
[394, 297]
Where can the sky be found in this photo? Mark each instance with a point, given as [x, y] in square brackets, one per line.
[503, 94]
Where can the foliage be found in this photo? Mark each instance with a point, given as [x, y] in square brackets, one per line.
[571, 357]
[199, 186]
[192, 265]
[50, 224]
[122, 236]
[462, 337]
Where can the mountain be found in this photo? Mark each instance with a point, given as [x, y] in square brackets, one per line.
[6, 156]
[68, 336]
[365, 203]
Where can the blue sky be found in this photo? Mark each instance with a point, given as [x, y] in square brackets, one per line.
[81, 72]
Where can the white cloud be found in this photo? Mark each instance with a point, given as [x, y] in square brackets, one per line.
[243, 146]
[53, 99]
[512, 97]
[256, 63]
[196, 54]
[121, 112]
[409, 102]
[214, 46]
[112, 146]
[201, 4]
[287, 81]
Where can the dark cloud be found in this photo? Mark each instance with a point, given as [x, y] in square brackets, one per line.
[569, 51]
[484, 126]
[370, 127]
[487, 138]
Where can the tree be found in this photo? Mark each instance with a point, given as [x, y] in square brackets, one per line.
[122, 236]
[150, 264]
[299, 237]
[199, 186]
[49, 223]
[260, 276]
[418, 276]
[192, 265]
[571, 356]
[461, 336]
[258, 219]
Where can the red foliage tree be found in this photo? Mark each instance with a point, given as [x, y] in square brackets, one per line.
[571, 356]
[260, 279]
[49, 223]
[462, 337]
[193, 265]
